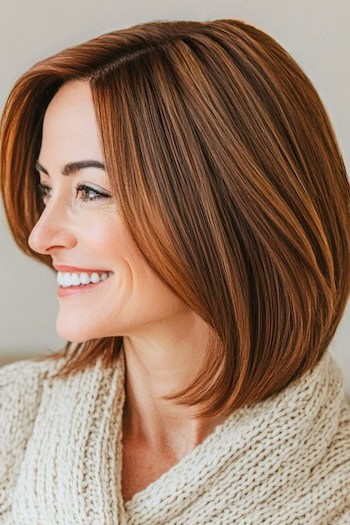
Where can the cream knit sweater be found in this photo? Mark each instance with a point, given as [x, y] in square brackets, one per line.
[284, 461]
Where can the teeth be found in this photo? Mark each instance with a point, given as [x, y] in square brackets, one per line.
[94, 277]
[67, 279]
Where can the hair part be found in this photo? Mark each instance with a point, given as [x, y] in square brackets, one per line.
[229, 177]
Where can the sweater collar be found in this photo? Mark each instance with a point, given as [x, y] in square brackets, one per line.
[260, 455]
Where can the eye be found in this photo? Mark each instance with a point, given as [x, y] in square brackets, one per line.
[85, 190]
[82, 188]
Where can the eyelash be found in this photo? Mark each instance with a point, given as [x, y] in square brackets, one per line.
[42, 189]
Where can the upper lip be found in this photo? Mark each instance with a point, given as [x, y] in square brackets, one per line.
[64, 268]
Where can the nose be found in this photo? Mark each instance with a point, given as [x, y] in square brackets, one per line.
[52, 230]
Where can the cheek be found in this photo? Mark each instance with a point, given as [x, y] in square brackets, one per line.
[106, 237]
[139, 286]
[135, 298]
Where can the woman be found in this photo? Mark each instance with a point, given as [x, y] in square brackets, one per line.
[184, 182]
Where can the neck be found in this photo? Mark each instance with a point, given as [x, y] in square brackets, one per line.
[153, 372]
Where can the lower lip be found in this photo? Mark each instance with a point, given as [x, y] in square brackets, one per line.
[73, 290]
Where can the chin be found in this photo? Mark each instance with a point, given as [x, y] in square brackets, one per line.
[72, 338]
[74, 333]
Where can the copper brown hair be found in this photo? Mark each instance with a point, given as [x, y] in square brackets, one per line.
[230, 179]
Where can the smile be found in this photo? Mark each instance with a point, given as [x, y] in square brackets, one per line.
[66, 279]
[62, 291]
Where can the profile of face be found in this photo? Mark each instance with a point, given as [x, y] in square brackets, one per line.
[76, 230]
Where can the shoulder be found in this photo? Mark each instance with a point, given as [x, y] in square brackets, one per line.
[18, 370]
[21, 385]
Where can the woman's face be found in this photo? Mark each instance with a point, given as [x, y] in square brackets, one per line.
[90, 234]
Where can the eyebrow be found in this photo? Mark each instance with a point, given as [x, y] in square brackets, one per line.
[73, 167]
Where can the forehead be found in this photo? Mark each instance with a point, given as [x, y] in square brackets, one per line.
[73, 94]
[70, 124]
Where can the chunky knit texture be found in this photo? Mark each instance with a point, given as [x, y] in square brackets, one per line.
[284, 461]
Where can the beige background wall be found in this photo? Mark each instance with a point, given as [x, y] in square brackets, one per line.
[315, 32]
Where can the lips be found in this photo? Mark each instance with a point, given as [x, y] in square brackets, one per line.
[65, 268]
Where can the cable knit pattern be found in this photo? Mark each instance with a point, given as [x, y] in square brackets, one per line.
[283, 461]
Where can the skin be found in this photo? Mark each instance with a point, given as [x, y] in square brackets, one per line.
[163, 338]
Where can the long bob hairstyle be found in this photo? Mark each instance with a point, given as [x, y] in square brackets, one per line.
[229, 177]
